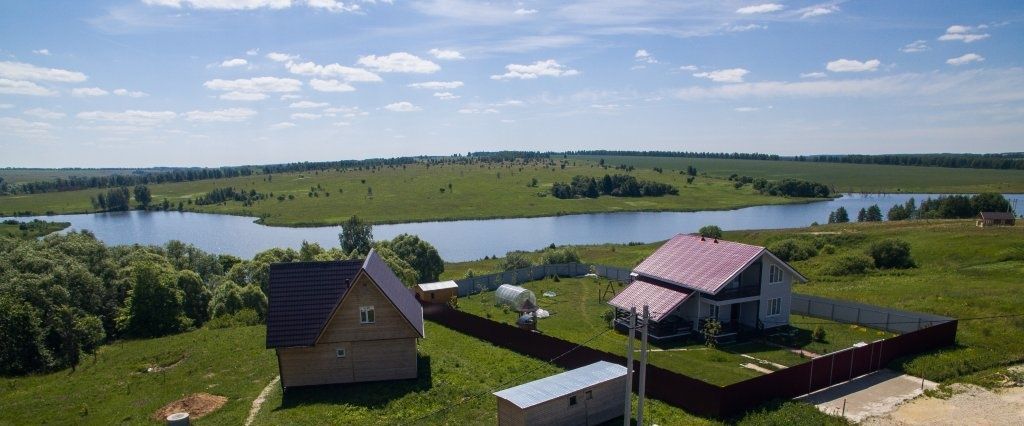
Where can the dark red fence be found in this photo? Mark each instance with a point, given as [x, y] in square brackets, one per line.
[696, 396]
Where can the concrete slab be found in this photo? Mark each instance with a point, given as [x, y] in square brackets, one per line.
[871, 395]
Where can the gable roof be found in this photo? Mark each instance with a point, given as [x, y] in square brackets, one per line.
[703, 264]
[661, 299]
[996, 215]
[552, 387]
[301, 298]
[395, 290]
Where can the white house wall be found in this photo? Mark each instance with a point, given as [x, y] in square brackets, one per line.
[770, 291]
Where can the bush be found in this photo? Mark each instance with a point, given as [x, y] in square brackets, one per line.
[242, 318]
[560, 255]
[515, 260]
[828, 249]
[818, 334]
[710, 231]
[792, 249]
[891, 253]
[849, 264]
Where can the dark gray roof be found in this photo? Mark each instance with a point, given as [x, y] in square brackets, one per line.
[997, 215]
[302, 297]
[395, 290]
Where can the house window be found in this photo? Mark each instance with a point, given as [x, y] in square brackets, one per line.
[774, 274]
[572, 400]
[590, 395]
[774, 306]
[713, 311]
[366, 314]
[432, 296]
[340, 352]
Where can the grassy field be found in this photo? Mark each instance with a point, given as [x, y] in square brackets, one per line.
[414, 193]
[32, 229]
[576, 316]
[845, 177]
[962, 271]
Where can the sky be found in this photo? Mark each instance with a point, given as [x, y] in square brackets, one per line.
[134, 83]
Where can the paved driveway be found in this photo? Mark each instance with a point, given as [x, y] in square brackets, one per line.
[874, 394]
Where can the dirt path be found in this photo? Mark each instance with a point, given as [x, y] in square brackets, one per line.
[258, 402]
[969, 405]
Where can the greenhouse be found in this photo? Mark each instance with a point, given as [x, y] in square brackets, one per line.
[516, 298]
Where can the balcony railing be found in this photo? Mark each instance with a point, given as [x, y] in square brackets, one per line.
[734, 293]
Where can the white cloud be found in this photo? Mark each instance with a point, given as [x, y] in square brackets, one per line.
[643, 55]
[308, 104]
[509, 102]
[222, 4]
[281, 57]
[744, 28]
[17, 126]
[437, 85]
[333, 6]
[688, 68]
[816, 74]
[130, 93]
[348, 74]
[88, 91]
[330, 86]
[402, 106]
[399, 62]
[290, 96]
[253, 52]
[305, 116]
[243, 96]
[23, 71]
[446, 96]
[44, 114]
[852, 65]
[915, 46]
[342, 124]
[130, 117]
[232, 115]
[235, 62]
[964, 33]
[548, 68]
[447, 55]
[746, 109]
[14, 87]
[282, 125]
[523, 12]
[6, 106]
[478, 111]
[819, 10]
[760, 8]
[965, 59]
[44, 52]
[347, 112]
[730, 75]
[255, 85]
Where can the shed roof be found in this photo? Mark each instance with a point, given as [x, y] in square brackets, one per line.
[395, 290]
[661, 299]
[302, 297]
[440, 285]
[996, 215]
[539, 391]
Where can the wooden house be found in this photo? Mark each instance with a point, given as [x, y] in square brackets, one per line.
[588, 395]
[342, 322]
[439, 292]
[995, 219]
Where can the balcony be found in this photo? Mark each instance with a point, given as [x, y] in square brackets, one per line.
[668, 328]
[734, 293]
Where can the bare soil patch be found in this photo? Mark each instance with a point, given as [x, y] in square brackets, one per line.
[196, 405]
[968, 405]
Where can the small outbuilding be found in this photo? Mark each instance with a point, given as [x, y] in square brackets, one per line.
[517, 298]
[439, 292]
[996, 219]
[588, 395]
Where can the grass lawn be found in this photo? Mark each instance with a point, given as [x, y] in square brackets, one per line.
[32, 229]
[844, 177]
[476, 192]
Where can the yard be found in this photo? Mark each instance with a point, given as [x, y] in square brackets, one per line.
[577, 315]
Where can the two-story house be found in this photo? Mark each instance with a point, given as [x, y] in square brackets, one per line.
[690, 279]
[342, 322]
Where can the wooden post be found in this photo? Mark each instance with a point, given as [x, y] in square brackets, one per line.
[643, 367]
[629, 367]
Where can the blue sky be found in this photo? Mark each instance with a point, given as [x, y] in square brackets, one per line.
[223, 82]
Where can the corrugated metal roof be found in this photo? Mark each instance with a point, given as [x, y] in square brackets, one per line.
[700, 264]
[661, 299]
[395, 290]
[996, 215]
[440, 285]
[301, 298]
[538, 391]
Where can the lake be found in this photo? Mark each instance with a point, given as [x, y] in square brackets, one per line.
[465, 239]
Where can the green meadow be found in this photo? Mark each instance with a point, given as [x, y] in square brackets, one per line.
[30, 229]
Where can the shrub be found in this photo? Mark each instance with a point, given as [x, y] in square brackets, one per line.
[242, 318]
[515, 260]
[792, 249]
[828, 249]
[818, 334]
[710, 231]
[849, 264]
[560, 255]
[891, 253]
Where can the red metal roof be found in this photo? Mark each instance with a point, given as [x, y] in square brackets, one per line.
[660, 299]
[705, 266]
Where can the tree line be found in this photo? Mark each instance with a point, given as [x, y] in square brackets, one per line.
[221, 195]
[1011, 161]
[942, 207]
[682, 154]
[787, 187]
[613, 185]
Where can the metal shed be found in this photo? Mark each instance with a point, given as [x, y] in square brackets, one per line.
[588, 395]
[439, 292]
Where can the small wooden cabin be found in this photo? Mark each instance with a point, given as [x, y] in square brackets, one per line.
[588, 395]
[996, 219]
[439, 292]
[342, 322]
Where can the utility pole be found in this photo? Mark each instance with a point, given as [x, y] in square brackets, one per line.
[643, 367]
[629, 368]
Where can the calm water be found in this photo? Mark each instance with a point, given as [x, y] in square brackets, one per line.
[467, 239]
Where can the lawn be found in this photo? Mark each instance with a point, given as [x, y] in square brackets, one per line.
[32, 229]
[844, 177]
[386, 195]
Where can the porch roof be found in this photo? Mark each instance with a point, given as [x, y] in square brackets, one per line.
[662, 300]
